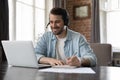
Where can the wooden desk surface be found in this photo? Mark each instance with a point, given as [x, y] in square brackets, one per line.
[18, 73]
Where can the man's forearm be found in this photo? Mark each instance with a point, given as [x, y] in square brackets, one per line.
[51, 61]
[44, 60]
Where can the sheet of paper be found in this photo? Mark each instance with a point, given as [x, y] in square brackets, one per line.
[64, 70]
[64, 66]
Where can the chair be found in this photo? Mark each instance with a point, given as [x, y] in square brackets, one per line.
[103, 53]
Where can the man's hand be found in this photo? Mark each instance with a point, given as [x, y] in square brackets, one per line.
[73, 61]
[51, 61]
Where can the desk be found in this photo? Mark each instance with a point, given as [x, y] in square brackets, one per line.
[18, 73]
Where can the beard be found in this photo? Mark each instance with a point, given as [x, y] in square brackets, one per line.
[57, 30]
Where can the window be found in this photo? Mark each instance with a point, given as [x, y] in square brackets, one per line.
[28, 18]
[109, 22]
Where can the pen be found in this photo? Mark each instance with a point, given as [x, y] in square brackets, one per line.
[72, 55]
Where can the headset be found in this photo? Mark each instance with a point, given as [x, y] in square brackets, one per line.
[47, 24]
[63, 13]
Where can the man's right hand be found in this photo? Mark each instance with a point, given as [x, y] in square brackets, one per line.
[51, 61]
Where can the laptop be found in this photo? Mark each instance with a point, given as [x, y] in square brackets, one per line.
[21, 53]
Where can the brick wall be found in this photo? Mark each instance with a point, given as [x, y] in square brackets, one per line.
[83, 25]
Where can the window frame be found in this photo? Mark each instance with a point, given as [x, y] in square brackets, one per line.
[12, 17]
[105, 8]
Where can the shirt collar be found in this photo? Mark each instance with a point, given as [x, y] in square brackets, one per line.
[68, 36]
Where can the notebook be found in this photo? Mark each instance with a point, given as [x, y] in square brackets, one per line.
[21, 53]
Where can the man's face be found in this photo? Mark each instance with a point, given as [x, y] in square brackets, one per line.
[57, 24]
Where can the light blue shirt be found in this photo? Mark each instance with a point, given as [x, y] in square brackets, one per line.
[75, 42]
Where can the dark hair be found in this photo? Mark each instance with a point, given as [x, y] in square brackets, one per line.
[63, 13]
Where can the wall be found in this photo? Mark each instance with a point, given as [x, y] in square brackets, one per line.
[84, 25]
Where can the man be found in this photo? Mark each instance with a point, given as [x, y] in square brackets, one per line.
[62, 45]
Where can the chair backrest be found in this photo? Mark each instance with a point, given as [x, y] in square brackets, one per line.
[103, 53]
